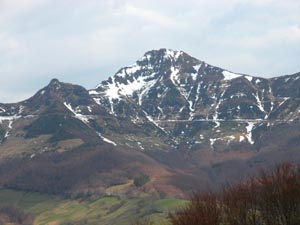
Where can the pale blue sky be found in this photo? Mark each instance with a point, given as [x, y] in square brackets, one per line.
[84, 42]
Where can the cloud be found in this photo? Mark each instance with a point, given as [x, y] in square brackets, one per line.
[7, 44]
[149, 16]
[21, 5]
[84, 42]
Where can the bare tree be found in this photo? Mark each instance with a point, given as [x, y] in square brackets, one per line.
[204, 209]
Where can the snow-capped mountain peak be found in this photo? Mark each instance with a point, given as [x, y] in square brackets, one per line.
[155, 70]
[167, 85]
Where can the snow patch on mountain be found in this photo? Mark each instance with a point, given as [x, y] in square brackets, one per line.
[195, 75]
[218, 103]
[152, 121]
[249, 78]
[229, 75]
[249, 129]
[84, 118]
[112, 91]
[106, 139]
[212, 141]
[128, 70]
[259, 102]
[132, 86]
[242, 138]
[171, 54]
[283, 101]
[10, 120]
[174, 75]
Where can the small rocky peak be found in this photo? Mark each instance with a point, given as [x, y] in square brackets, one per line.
[165, 55]
[55, 84]
[54, 81]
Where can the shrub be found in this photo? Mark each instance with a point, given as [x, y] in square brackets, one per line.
[141, 180]
[204, 209]
[12, 215]
[272, 198]
[280, 195]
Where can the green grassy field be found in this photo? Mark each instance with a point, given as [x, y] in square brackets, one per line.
[54, 210]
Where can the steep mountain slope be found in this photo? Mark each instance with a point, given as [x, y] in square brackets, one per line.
[198, 104]
[185, 87]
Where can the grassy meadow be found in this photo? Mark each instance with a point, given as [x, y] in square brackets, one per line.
[109, 210]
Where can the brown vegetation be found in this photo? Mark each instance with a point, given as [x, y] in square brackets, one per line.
[86, 171]
[271, 198]
[12, 215]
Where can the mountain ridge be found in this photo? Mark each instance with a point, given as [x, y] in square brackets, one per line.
[166, 86]
[182, 122]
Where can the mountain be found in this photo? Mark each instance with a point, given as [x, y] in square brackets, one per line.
[169, 117]
[65, 112]
[197, 104]
[60, 141]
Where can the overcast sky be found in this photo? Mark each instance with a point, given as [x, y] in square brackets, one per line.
[84, 42]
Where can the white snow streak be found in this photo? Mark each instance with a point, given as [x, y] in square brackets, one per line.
[212, 141]
[93, 92]
[10, 120]
[194, 75]
[242, 138]
[106, 140]
[83, 118]
[249, 129]
[174, 73]
[140, 145]
[259, 103]
[249, 78]
[229, 75]
[152, 121]
[284, 100]
[215, 116]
